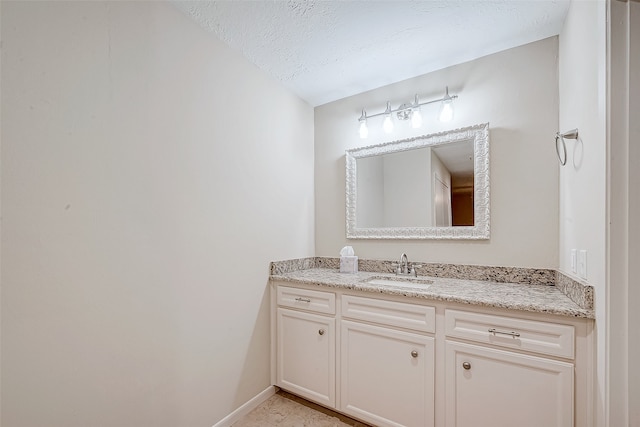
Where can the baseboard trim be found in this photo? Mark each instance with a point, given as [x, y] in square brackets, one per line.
[246, 408]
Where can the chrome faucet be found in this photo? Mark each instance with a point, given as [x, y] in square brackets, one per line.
[403, 268]
[403, 265]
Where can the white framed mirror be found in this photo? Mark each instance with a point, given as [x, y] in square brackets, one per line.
[429, 187]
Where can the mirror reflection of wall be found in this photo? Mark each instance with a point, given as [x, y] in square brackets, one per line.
[394, 190]
[407, 189]
[370, 190]
[425, 187]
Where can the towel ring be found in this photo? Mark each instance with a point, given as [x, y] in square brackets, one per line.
[563, 157]
[572, 134]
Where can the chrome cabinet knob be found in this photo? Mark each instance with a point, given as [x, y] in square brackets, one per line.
[466, 365]
[414, 353]
[321, 331]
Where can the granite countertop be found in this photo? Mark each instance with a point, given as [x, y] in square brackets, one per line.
[513, 296]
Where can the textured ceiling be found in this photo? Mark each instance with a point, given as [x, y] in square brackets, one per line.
[325, 50]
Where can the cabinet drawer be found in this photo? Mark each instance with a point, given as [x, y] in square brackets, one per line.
[529, 335]
[390, 313]
[315, 301]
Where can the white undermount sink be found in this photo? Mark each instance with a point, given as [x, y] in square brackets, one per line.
[400, 282]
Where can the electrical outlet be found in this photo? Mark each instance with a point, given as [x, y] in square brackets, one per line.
[574, 261]
[582, 264]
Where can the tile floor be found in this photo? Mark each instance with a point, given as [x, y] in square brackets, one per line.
[286, 410]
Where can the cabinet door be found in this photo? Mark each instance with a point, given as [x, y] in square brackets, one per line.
[386, 376]
[306, 361]
[486, 387]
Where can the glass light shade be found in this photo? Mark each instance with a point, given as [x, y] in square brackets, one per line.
[387, 125]
[416, 119]
[364, 130]
[446, 111]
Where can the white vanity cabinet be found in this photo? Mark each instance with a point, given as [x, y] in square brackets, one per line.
[395, 361]
[387, 373]
[489, 385]
[306, 344]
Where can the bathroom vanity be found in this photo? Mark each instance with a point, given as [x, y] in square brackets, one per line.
[433, 352]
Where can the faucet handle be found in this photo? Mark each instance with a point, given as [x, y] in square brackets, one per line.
[413, 269]
[398, 267]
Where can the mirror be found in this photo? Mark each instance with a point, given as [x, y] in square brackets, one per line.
[429, 187]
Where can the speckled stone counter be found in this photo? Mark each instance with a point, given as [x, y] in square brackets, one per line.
[514, 296]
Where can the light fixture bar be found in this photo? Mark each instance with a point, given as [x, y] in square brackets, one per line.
[403, 107]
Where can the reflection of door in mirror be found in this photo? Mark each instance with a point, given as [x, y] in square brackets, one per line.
[462, 199]
[454, 163]
[441, 201]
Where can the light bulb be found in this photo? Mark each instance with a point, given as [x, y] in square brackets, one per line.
[364, 131]
[387, 125]
[446, 111]
[416, 119]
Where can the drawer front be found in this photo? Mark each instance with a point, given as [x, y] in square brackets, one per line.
[390, 313]
[529, 335]
[304, 299]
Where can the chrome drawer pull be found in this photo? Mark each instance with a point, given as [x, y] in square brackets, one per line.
[303, 299]
[494, 331]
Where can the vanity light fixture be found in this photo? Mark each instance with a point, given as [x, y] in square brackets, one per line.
[408, 111]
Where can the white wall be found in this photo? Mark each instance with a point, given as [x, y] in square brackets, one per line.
[149, 175]
[517, 92]
[583, 180]
[582, 106]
